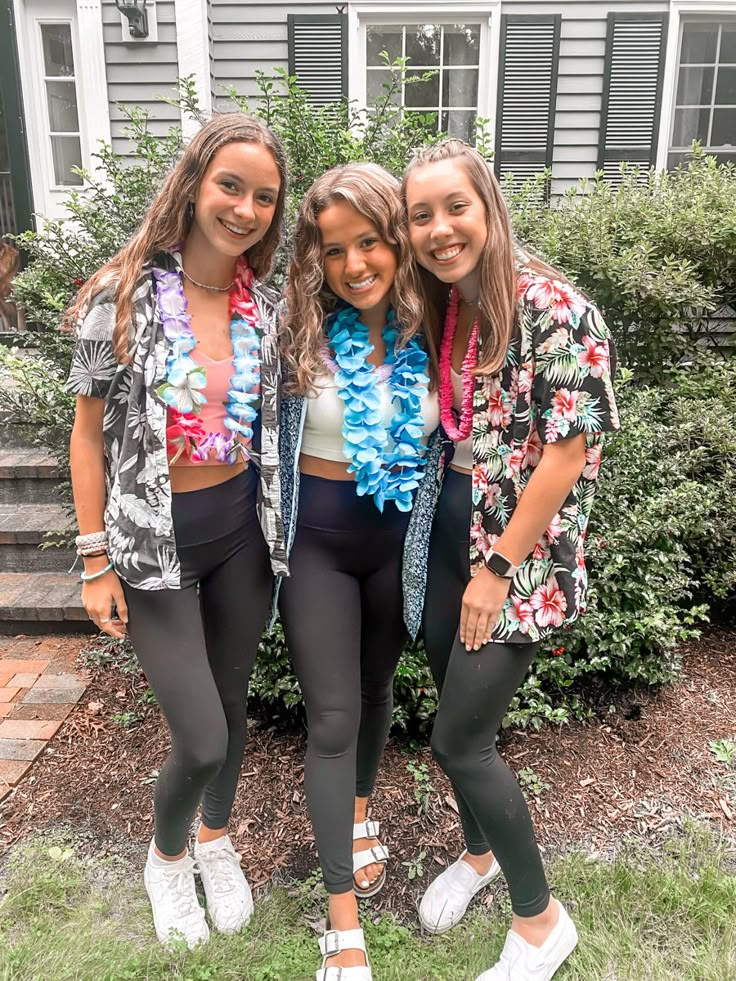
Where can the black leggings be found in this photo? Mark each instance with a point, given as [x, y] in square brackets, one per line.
[476, 689]
[197, 645]
[342, 613]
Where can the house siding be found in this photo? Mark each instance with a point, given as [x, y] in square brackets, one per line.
[248, 38]
[580, 81]
[140, 72]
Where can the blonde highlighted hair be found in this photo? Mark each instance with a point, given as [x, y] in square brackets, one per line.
[498, 276]
[169, 218]
[375, 194]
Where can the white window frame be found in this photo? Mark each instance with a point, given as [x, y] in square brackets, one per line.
[91, 83]
[363, 13]
[193, 55]
[679, 9]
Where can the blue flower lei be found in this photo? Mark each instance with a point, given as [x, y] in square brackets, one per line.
[387, 464]
[185, 379]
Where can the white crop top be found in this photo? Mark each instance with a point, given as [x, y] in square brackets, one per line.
[323, 437]
[463, 457]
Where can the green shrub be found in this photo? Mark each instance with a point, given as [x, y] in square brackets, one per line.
[658, 255]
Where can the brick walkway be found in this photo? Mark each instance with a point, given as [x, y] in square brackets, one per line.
[39, 686]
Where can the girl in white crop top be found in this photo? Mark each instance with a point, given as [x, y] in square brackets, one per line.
[355, 422]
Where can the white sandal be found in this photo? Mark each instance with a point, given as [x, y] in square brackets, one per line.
[376, 854]
[335, 941]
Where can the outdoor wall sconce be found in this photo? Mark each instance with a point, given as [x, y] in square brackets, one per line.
[135, 11]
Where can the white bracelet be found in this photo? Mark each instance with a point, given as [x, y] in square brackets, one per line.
[94, 542]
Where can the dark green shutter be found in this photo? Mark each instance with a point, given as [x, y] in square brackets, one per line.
[318, 55]
[632, 91]
[527, 94]
[16, 205]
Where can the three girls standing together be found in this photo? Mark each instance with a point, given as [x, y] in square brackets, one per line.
[412, 440]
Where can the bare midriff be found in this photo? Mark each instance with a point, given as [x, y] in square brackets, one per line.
[314, 466]
[461, 470]
[185, 479]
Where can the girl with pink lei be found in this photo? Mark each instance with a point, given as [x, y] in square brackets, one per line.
[526, 397]
[175, 439]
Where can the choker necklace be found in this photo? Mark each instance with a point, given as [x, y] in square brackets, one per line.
[204, 286]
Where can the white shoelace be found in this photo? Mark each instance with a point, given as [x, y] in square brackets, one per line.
[221, 865]
[181, 886]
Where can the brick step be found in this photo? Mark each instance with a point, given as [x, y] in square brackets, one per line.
[42, 602]
[24, 528]
[28, 475]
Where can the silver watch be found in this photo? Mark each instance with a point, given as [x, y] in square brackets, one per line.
[500, 566]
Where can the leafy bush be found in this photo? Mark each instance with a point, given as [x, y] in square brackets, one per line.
[658, 256]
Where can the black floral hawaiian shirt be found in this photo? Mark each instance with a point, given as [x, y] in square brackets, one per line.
[554, 384]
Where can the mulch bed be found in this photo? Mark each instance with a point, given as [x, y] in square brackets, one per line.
[638, 770]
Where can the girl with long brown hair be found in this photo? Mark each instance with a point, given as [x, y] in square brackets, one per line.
[175, 438]
[354, 424]
[525, 366]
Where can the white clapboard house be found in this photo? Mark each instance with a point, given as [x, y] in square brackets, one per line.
[571, 85]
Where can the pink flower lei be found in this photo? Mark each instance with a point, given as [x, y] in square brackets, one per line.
[457, 433]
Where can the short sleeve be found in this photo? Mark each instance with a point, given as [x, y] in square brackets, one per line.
[574, 363]
[94, 363]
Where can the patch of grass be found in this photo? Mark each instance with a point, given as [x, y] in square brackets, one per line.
[724, 750]
[642, 915]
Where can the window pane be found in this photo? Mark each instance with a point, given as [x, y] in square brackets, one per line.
[62, 100]
[425, 94]
[699, 43]
[460, 124]
[67, 153]
[57, 49]
[460, 87]
[726, 87]
[690, 124]
[724, 128]
[423, 44]
[728, 44]
[375, 87]
[695, 87]
[383, 37]
[462, 44]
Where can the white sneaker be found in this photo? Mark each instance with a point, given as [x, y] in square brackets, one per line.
[229, 899]
[444, 903]
[521, 961]
[177, 914]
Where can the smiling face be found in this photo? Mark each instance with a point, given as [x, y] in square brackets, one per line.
[448, 225]
[359, 266]
[236, 200]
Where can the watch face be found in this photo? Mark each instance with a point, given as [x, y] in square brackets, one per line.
[498, 564]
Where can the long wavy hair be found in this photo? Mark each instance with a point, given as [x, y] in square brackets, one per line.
[498, 286]
[170, 217]
[375, 194]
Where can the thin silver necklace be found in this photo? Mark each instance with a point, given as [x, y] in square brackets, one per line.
[471, 303]
[204, 286]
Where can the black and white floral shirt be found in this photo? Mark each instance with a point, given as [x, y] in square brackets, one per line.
[138, 520]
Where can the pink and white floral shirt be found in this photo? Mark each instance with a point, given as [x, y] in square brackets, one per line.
[555, 384]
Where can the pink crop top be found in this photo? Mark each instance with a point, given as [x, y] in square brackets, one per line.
[213, 413]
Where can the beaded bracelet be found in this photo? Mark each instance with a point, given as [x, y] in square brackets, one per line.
[89, 576]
